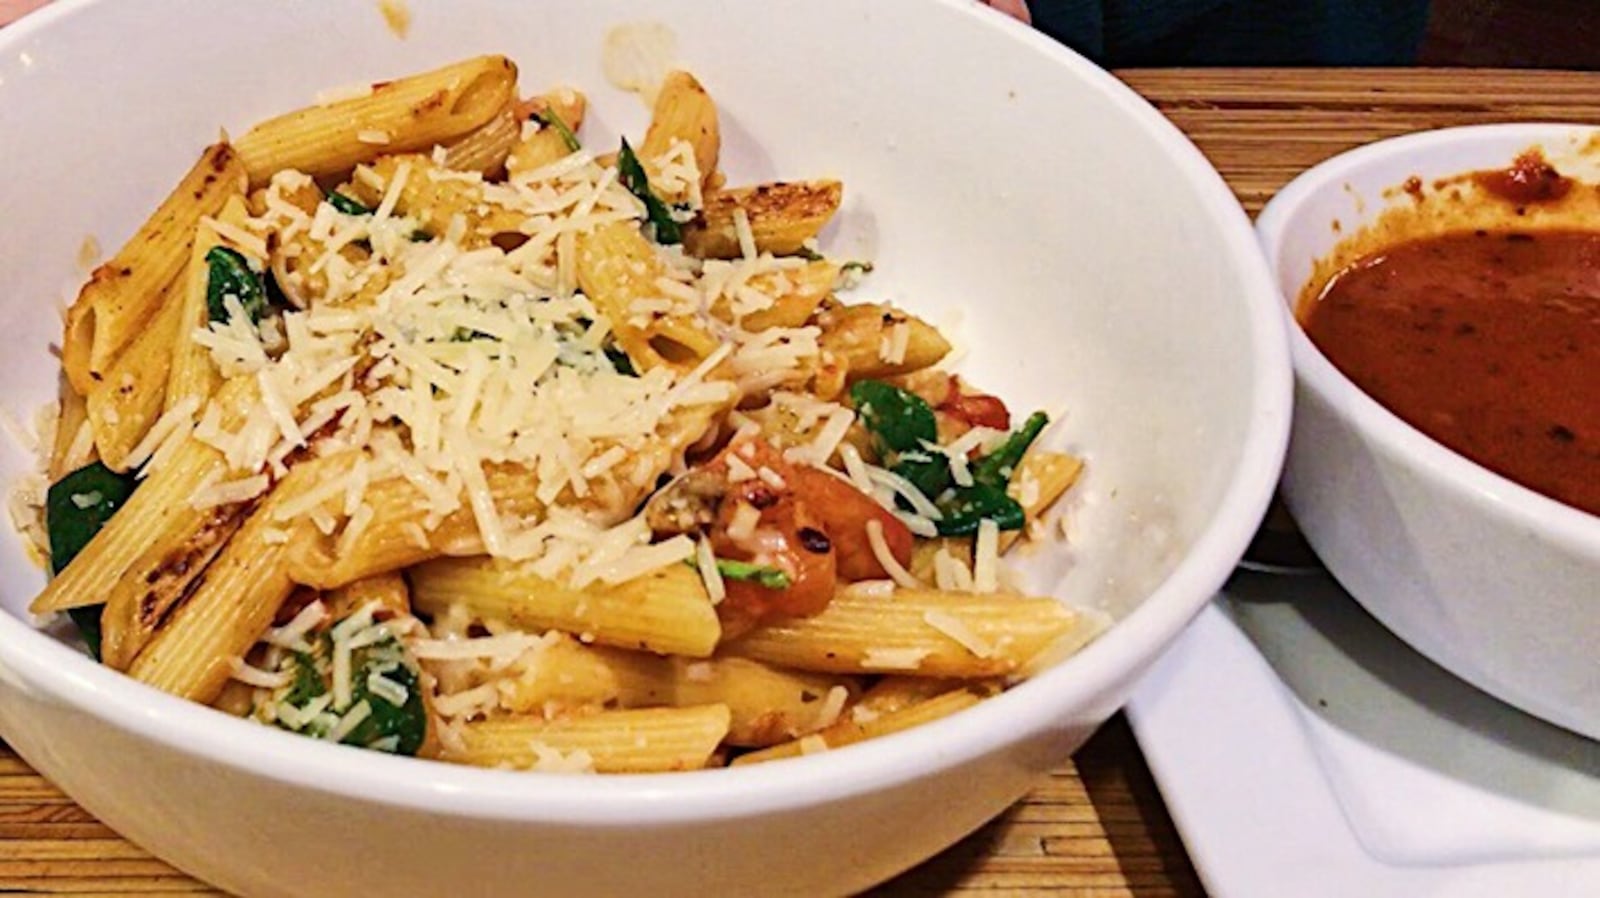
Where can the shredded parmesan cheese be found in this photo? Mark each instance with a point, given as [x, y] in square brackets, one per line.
[956, 629]
[880, 550]
[707, 563]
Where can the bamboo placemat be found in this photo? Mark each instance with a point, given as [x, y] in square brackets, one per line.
[1097, 827]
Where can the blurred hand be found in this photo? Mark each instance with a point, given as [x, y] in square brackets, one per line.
[1016, 9]
[12, 10]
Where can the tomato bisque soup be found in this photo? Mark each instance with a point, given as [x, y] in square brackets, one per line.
[1485, 340]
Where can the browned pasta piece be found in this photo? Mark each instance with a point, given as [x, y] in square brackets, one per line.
[155, 531]
[783, 215]
[797, 293]
[124, 405]
[124, 293]
[877, 341]
[162, 575]
[193, 652]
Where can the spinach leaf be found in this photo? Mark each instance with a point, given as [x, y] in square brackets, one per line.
[931, 476]
[996, 467]
[901, 424]
[863, 267]
[230, 275]
[899, 421]
[965, 507]
[551, 118]
[346, 204]
[620, 361]
[307, 683]
[311, 672]
[76, 507]
[632, 176]
[407, 722]
[467, 335]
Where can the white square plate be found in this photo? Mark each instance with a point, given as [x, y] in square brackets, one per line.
[1304, 750]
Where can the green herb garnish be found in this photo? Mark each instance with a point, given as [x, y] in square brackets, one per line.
[551, 118]
[620, 361]
[632, 176]
[769, 577]
[996, 467]
[346, 204]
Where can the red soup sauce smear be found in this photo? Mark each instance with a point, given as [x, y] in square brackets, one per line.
[1488, 341]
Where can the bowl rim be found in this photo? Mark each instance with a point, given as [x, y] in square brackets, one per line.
[1571, 528]
[56, 674]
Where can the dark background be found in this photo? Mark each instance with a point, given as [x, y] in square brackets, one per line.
[1552, 34]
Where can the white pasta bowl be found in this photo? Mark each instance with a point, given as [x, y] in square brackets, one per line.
[1489, 579]
[1102, 267]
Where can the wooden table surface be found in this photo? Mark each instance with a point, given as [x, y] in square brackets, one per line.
[1097, 827]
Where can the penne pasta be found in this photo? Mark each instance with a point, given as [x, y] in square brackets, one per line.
[401, 116]
[851, 730]
[916, 632]
[436, 199]
[617, 267]
[193, 375]
[643, 741]
[548, 142]
[1041, 479]
[485, 149]
[861, 335]
[796, 295]
[782, 215]
[73, 446]
[767, 704]
[404, 530]
[192, 654]
[130, 397]
[150, 538]
[684, 112]
[664, 611]
[123, 294]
